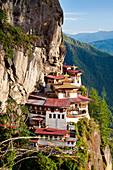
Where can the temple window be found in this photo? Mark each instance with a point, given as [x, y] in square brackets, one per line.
[83, 111]
[58, 116]
[62, 116]
[35, 107]
[52, 110]
[50, 115]
[54, 116]
[40, 108]
[61, 110]
[30, 107]
[55, 137]
[75, 105]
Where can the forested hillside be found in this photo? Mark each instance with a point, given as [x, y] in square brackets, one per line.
[97, 65]
[104, 45]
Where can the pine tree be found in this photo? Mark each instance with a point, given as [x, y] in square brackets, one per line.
[104, 118]
[94, 105]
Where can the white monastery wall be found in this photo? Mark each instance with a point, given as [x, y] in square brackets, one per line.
[57, 123]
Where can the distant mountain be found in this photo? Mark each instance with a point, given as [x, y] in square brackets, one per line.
[97, 65]
[104, 45]
[91, 37]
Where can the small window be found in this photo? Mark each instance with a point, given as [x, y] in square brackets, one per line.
[30, 107]
[52, 110]
[62, 116]
[44, 113]
[40, 108]
[75, 105]
[54, 116]
[55, 137]
[35, 107]
[58, 116]
[68, 142]
[72, 142]
[50, 115]
[61, 110]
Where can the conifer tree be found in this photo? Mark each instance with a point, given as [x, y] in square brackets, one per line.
[94, 105]
[104, 118]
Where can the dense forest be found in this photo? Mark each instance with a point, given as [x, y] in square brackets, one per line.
[104, 45]
[97, 65]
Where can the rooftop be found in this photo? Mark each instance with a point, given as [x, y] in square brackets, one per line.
[49, 131]
[36, 102]
[83, 98]
[57, 102]
[60, 76]
[66, 86]
[75, 71]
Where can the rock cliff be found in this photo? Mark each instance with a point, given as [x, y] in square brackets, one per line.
[42, 18]
[99, 158]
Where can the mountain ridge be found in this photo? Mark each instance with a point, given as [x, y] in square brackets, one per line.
[91, 37]
[104, 45]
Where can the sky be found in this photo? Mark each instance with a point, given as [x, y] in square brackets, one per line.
[87, 16]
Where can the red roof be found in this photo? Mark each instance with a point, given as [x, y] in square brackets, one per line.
[51, 131]
[38, 96]
[66, 66]
[83, 98]
[60, 76]
[75, 71]
[34, 141]
[37, 118]
[57, 102]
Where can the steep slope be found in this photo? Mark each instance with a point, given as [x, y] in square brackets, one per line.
[90, 37]
[97, 65]
[104, 45]
[43, 19]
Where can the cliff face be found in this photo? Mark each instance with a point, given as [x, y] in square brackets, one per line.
[97, 154]
[37, 17]
[99, 158]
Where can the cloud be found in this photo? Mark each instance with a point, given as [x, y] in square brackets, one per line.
[74, 13]
[71, 19]
[100, 29]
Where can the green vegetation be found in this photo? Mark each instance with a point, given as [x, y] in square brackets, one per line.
[14, 118]
[97, 66]
[12, 38]
[104, 45]
[99, 111]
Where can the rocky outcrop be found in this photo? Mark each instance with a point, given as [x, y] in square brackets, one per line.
[99, 158]
[41, 18]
